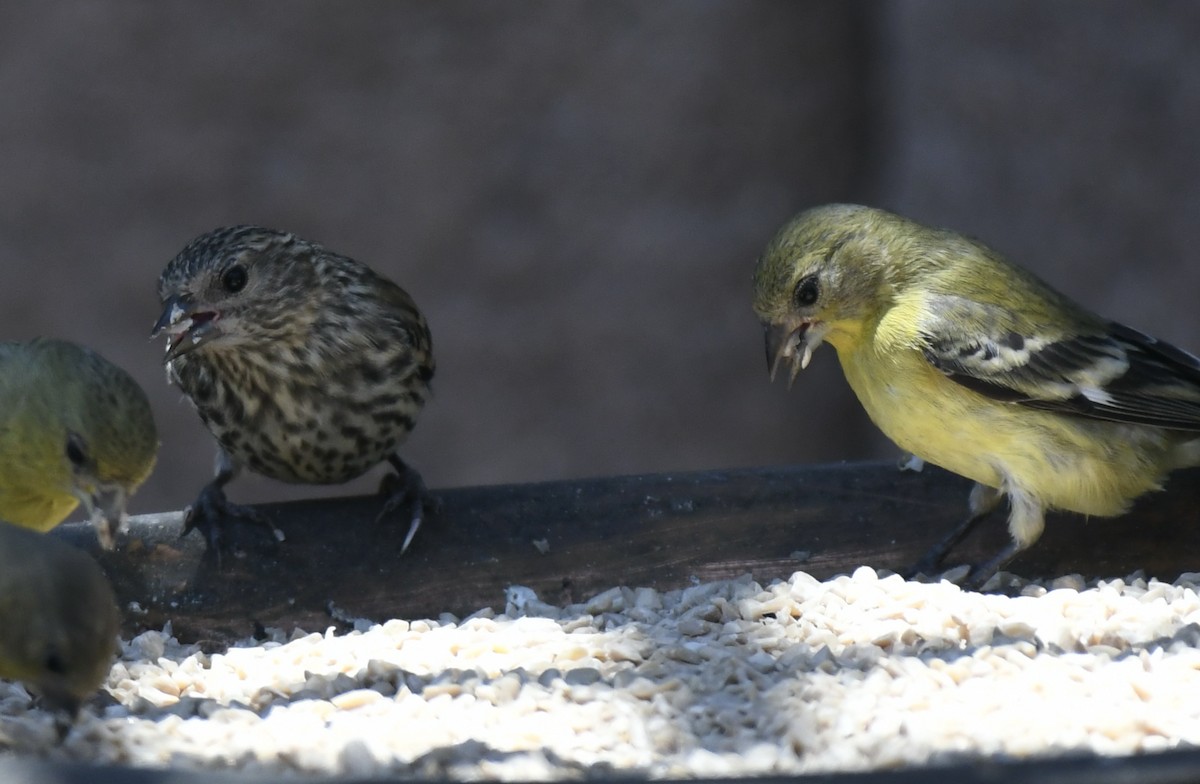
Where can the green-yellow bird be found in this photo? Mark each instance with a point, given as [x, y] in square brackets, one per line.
[58, 617]
[74, 428]
[972, 363]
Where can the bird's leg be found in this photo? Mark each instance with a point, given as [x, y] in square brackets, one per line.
[211, 510]
[1025, 524]
[982, 501]
[406, 490]
[982, 572]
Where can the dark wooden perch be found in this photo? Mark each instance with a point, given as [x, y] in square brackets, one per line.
[660, 530]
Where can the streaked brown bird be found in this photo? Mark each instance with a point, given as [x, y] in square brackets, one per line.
[306, 365]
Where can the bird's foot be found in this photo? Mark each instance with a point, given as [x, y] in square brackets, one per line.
[981, 573]
[406, 490]
[969, 577]
[929, 565]
[211, 515]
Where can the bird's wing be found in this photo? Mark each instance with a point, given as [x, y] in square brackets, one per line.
[1104, 371]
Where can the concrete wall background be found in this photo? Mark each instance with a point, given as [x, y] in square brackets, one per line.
[575, 192]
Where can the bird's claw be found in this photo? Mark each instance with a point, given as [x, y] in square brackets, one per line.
[929, 567]
[969, 577]
[406, 490]
[210, 515]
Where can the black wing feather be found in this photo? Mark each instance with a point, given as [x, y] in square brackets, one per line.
[1113, 373]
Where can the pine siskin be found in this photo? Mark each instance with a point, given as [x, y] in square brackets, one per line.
[73, 428]
[305, 365]
[974, 364]
[58, 617]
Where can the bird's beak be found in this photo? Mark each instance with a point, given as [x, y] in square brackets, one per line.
[188, 325]
[793, 342]
[106, 507]
[58, 697]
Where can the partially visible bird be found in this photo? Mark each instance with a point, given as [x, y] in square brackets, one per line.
[974, 364]
[58, 617]
[74, 428]
[305, 365]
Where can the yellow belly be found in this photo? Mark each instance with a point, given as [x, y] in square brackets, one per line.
[1067, 462]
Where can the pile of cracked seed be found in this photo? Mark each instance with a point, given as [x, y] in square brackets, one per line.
[726, 678]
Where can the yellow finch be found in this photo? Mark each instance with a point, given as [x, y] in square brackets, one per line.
[306, 365]
[58, 617]
[73, 428]
[976, 365]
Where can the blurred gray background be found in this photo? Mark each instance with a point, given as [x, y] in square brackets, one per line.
[575, 192]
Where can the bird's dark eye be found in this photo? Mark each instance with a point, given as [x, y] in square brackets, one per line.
[76, 452]
[234, 279]
[808, 290]
[54, 663]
